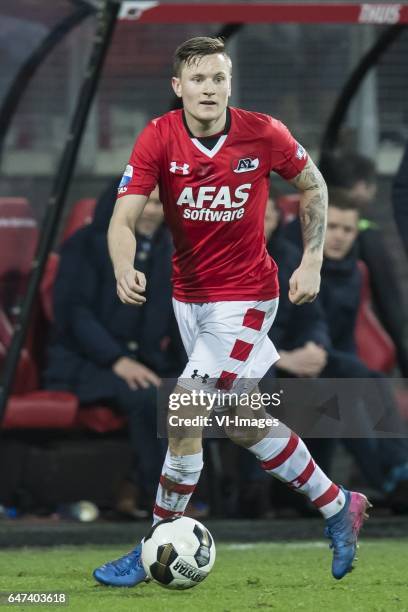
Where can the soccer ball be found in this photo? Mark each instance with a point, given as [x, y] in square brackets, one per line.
[178, 553]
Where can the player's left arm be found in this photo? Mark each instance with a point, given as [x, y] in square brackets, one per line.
[305, 281]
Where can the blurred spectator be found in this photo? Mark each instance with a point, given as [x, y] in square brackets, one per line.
[352, 175]
[317, 340]
[110, 353]
[400, 199]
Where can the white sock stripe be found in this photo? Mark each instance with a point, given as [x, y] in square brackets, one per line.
[315, 484]
[267, 448]
[305, 456]
[184, 463]
[295, 481]
[318, 482]
[183, 470]
[187, 479]
[334, 506]
[294, 465]
[174, 502]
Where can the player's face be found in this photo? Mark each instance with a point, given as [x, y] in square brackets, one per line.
[152, 215]
[342, 230]
[204, 86]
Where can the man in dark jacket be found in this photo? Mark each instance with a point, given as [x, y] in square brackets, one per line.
[355, 175]
[108, 352]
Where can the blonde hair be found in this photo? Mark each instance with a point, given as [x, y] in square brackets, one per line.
[192, 50]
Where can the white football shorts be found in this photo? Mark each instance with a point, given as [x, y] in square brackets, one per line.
[227, 344]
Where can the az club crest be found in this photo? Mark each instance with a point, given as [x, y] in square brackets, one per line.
[246, 164]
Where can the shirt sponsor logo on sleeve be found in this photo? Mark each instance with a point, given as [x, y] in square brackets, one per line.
[126, 178]
[246, 164]
[300, 152]
[178, 168]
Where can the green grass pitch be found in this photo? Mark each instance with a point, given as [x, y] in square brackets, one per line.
[276, 577]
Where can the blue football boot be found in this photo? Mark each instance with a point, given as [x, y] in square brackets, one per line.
[343, 529]
[124, 572]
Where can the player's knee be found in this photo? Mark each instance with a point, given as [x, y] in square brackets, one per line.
[185, 446]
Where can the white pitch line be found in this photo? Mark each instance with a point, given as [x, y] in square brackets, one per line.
[293, 545]
[300, 545]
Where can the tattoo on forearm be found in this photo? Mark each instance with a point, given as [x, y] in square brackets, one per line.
[310, 178]
[313, 206]
[313, 221]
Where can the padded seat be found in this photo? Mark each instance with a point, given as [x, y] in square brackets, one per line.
[374, 346]
[99, 419]
[18, 243]
[41, 410]
[81, 214]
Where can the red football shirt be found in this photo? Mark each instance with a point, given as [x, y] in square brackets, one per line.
[214, 201]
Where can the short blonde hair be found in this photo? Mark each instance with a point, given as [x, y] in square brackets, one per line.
[194, 49]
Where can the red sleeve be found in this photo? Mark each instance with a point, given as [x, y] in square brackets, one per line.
[288, 157]
[142, 172]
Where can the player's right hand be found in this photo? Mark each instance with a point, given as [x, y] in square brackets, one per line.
[304, 284]
[130, 285]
